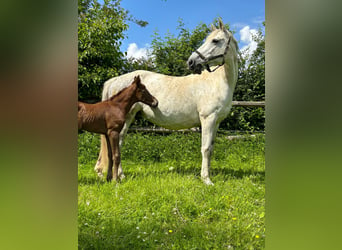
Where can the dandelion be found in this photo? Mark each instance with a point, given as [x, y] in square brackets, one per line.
[170, 231]
[234, 218]
[257, 236]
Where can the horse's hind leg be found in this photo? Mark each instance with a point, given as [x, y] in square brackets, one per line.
[102, 160]
[209, 128]
[129, 119]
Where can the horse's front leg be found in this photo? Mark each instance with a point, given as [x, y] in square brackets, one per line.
[115, 149]
[209, 128]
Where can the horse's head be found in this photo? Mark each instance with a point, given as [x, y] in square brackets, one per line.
[214, 50]
[143, 95]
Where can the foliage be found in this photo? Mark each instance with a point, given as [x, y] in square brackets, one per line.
[100, 29]
[171, 53]
[162, 203]
[250, 87]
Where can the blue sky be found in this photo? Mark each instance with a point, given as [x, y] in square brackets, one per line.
[243, 16]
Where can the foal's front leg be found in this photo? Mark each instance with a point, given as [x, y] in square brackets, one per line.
[115, 151]
[110, 159]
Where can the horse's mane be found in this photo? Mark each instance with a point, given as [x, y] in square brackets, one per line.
[233, 39]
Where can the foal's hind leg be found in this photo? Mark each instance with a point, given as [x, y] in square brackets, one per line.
[114, 144]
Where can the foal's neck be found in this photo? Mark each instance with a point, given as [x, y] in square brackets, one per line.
[124, 99]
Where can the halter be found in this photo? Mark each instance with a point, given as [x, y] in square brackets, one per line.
[206, 60]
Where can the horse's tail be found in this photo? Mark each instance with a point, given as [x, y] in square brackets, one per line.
[105, 91]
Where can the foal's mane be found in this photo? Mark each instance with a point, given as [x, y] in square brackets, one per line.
[111, 98]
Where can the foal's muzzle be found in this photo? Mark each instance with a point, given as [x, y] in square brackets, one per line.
[154, 103]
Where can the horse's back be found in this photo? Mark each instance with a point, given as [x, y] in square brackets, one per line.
[181, 99]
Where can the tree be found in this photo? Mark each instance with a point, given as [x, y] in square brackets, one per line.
[100, 29]
[171, 53]
[250, 87]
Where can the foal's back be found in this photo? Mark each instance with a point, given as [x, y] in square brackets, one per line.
[96, 117]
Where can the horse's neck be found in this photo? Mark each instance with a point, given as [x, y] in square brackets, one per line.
[231, 69]
[124, 100]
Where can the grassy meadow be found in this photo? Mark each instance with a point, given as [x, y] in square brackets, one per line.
[162, 203]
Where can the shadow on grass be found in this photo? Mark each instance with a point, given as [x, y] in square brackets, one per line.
[225, 173]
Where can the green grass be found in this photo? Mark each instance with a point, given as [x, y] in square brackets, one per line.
[162, 203]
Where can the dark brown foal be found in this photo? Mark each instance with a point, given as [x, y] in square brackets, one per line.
[108, 118]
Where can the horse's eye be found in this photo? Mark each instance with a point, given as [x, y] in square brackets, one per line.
[215, 41]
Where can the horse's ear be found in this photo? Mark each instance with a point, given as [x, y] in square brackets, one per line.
[213, 27]
[221, 24]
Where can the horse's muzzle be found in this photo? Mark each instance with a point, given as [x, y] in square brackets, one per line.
[196, 68]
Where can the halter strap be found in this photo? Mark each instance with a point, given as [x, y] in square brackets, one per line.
[206, 60]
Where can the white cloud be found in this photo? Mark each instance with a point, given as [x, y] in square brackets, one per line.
[246, 36]
[134, 51]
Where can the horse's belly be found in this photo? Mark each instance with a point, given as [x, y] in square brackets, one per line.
[172, 119]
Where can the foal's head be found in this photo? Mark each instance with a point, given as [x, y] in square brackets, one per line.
[142, 93]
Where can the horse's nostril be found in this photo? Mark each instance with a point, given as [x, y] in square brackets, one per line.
[191, 62]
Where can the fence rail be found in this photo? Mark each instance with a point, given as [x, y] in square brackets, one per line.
[248, 104]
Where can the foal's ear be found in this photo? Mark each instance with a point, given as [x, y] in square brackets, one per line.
[137, 79]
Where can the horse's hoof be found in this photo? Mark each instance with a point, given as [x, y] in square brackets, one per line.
[121, 177]
[208, 182]
[99, 173]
